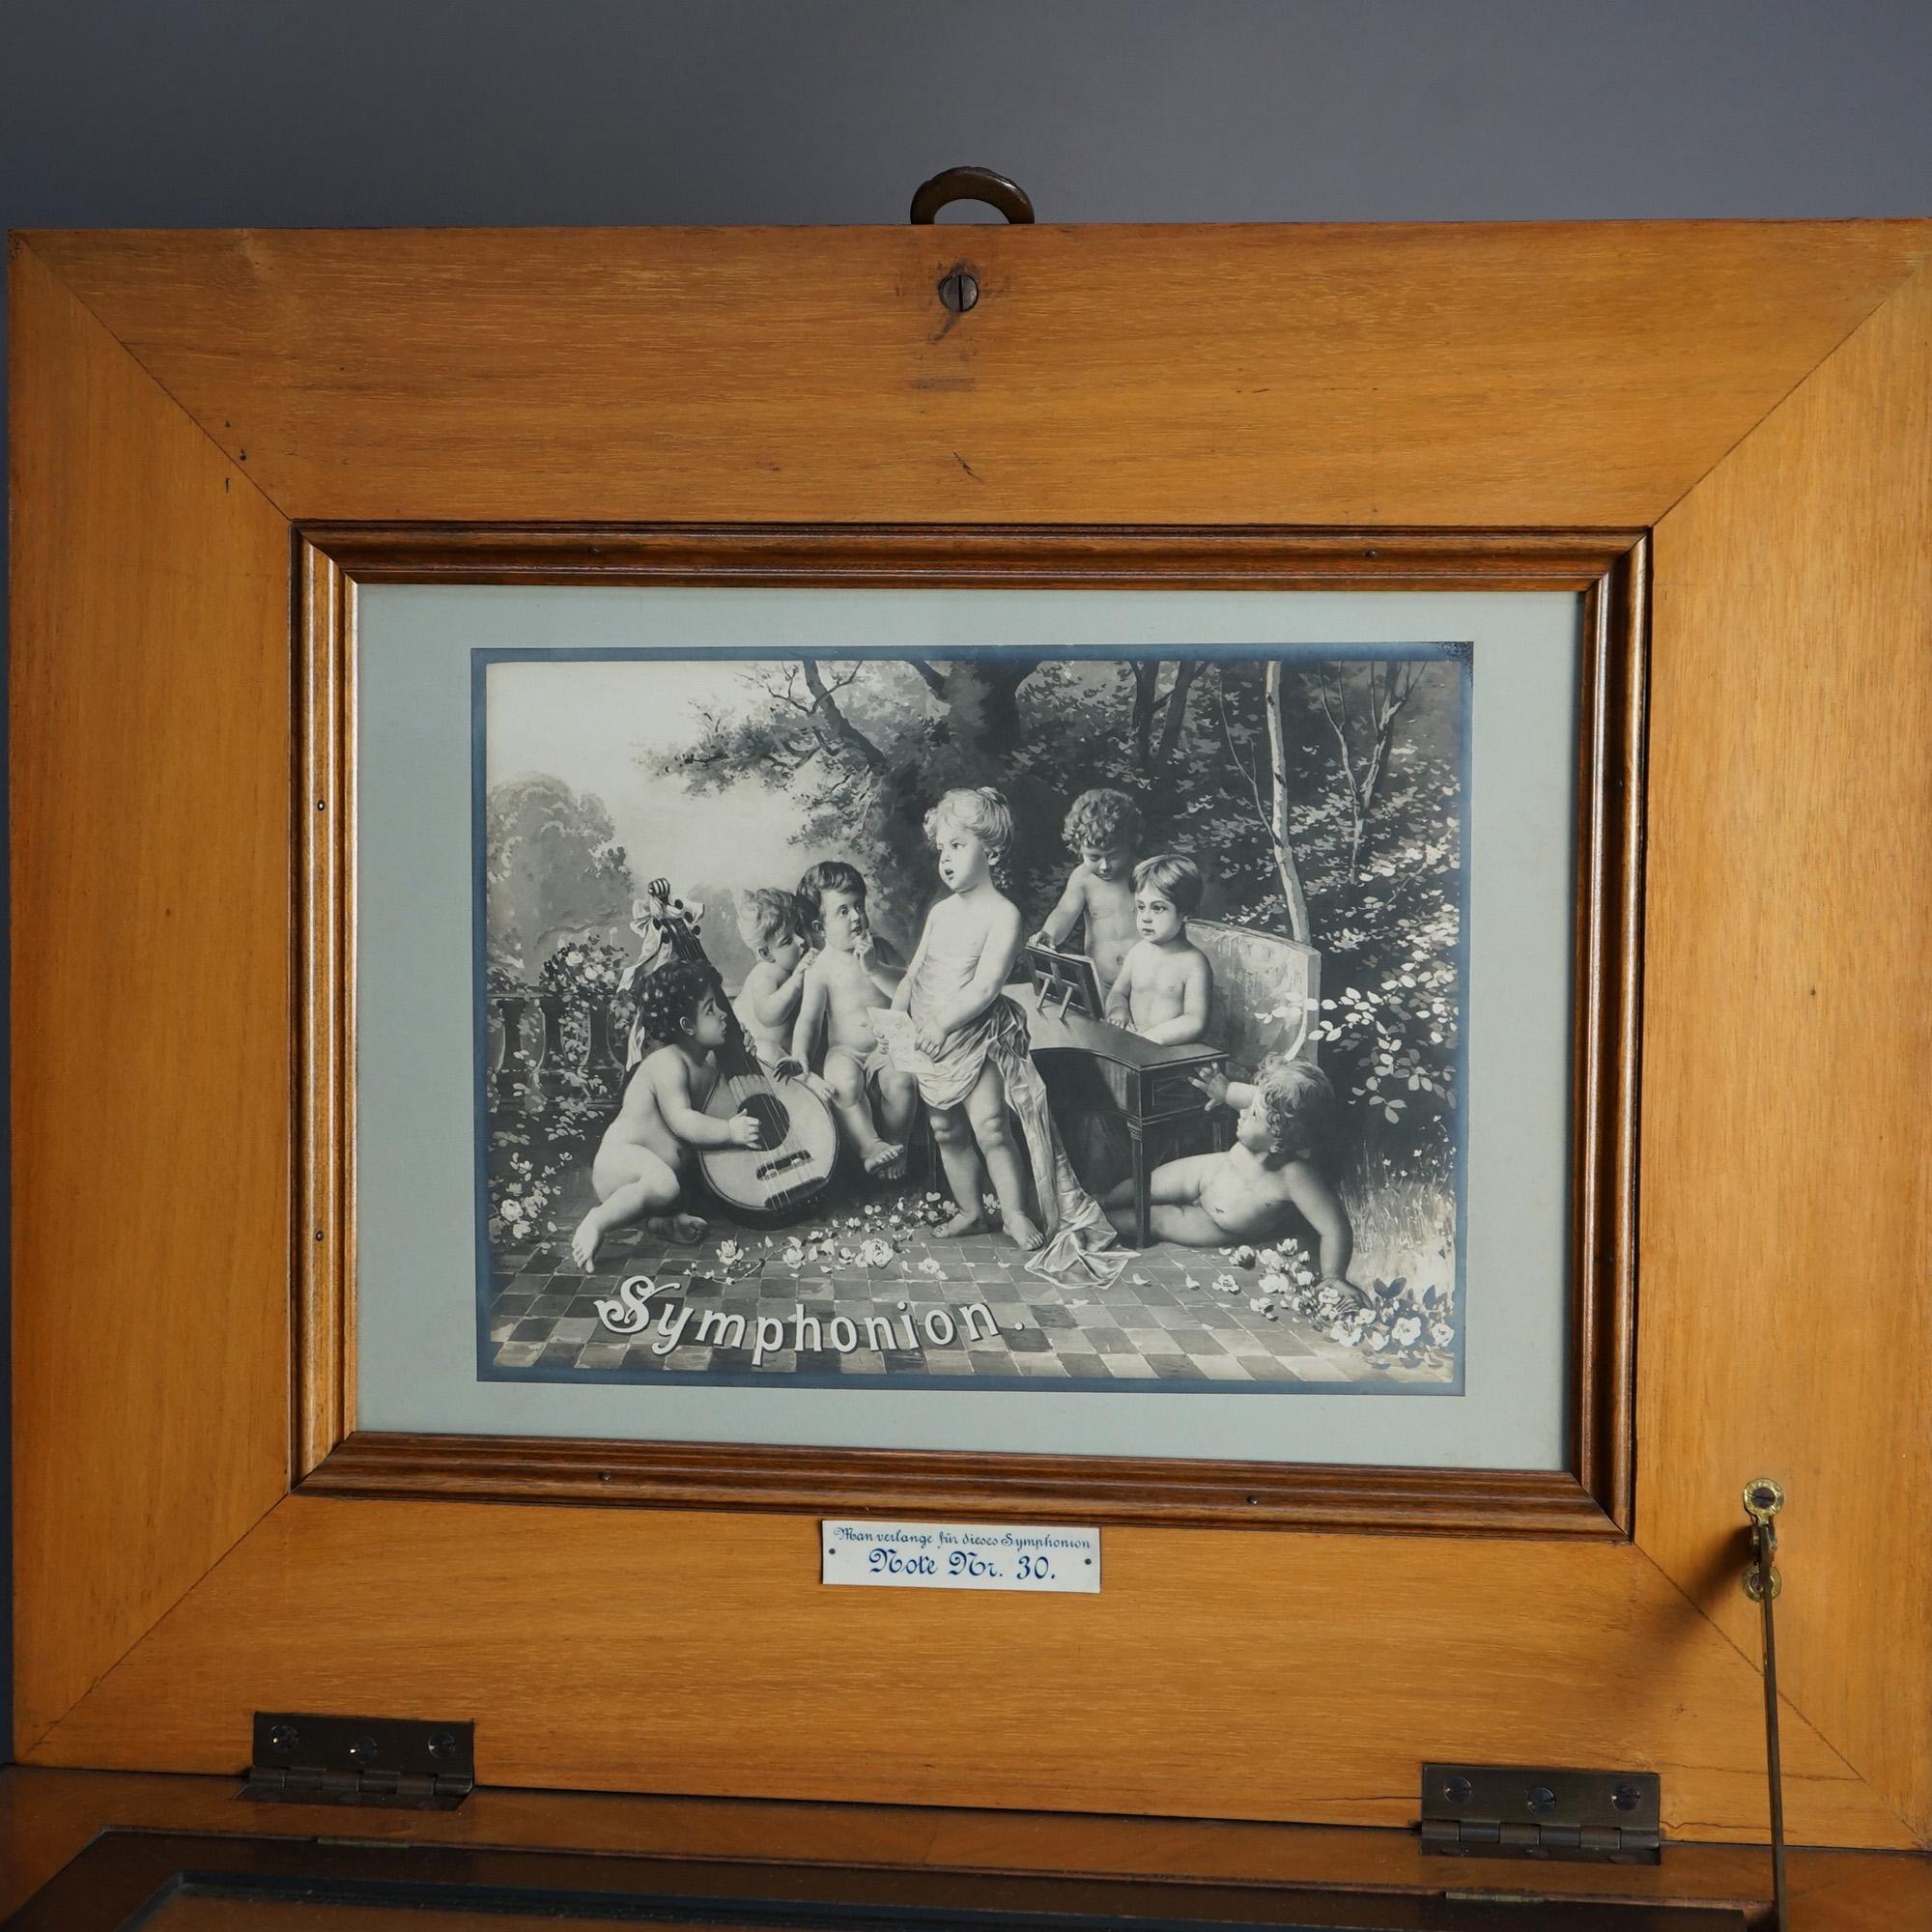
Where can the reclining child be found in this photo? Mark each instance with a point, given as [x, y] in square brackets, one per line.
[1263, 1186]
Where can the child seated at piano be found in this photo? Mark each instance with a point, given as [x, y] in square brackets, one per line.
[1265, 1186]
[1104, 827]
[1166, 988]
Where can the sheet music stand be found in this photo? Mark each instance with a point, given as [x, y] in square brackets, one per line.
[1069, 979]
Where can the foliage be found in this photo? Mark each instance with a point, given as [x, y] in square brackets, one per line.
[540, 1139]
[553, 870]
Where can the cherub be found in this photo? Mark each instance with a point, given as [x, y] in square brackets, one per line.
[1259, 1186]
[1104, 827]
[1166, 988]
[950, 993]
[644, 1158]
[771, 922]
[844, 987]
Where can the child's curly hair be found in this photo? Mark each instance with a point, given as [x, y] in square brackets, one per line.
[769, 916]
[978, 810]
[667, 999]
[1177, 876]
[1299, 1104]
[829, 876]
[1102, 817]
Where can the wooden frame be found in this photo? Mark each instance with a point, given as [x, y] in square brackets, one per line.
[1590, 1496]
[1754, 398]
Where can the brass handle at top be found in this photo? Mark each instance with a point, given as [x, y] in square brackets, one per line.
[952, 185]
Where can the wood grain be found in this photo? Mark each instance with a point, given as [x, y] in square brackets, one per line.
[1394, 379]
[1786, 1236]
[47, 1818]
[953, 1484]
[1507, 375]
[1220, 1674]
[1606, 1008]
[325, 948]
[150, 737]
[973, 557]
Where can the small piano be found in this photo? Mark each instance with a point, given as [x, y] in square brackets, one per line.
[1091, 1067]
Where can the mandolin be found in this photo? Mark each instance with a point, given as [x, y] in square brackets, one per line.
[776, 1181]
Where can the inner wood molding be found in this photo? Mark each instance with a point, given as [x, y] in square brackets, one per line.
[1590, 1496]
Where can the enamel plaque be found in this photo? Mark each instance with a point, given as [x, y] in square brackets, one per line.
[961, 1556]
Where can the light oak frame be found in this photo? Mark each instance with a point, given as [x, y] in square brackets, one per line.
[1754, 397]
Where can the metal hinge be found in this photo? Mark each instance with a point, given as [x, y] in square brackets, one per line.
[403, 1763]
[1519, 1811]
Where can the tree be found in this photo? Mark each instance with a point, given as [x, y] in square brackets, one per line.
[1364, 732]
[1274, 812]
[555, 872]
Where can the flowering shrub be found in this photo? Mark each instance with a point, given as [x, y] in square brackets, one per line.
[535, 1148]
[1390, 932]
[526, 1176]
[588, 968]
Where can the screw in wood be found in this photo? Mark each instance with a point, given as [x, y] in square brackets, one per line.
[958, 290]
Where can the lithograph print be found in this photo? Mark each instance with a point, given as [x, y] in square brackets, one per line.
[1066, 1017]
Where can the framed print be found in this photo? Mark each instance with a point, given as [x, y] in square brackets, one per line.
[847, 1192]
[1388, 790]
[283, 501]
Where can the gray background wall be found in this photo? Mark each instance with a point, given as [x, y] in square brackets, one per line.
[191, 113]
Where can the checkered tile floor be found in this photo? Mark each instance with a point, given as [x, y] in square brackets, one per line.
[1162, 1320]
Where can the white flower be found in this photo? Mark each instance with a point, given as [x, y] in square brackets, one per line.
[1245, 1258]
[730, 1254]
[1226, 1284]
[1407, 1330]
[1376, 1340]
[1274, 1284]
[1260, 1304]
[874, 1252]
[1441, 1334]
